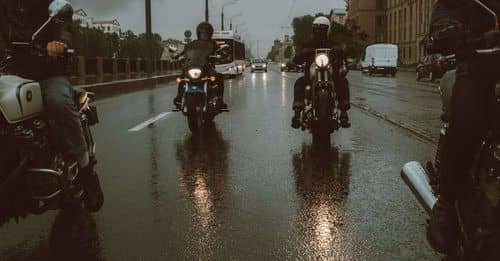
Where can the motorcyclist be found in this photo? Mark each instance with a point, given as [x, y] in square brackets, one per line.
[321, 27]
[453, 24]
[19, 21]
[204, 33]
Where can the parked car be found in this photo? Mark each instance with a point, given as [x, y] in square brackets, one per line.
[289, 66]
[381, 59]
[259, 65]
[434, 66]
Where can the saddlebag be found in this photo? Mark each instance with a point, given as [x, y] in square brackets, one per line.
[20, 98]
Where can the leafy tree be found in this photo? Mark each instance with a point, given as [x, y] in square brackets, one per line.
[288, 52]
[349, 34]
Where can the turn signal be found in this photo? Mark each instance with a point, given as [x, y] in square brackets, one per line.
[213, 78]
[178, 80]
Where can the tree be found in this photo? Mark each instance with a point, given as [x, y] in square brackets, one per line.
[92, 42]
[349, 34]
[288, 52]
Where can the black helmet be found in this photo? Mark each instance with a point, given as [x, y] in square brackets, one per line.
[204, 31]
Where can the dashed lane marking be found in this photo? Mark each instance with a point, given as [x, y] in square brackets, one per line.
[149, 122]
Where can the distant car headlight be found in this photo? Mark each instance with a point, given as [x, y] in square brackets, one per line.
[264, 65]
[194, 74]
[283, 65]
[253, 66]
[322, 60]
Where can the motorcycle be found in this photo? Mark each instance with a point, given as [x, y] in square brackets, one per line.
[34, 175]
[200, 102]
[320, 115]
[478, 212]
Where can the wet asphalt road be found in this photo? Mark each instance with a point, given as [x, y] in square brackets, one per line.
[250, 188]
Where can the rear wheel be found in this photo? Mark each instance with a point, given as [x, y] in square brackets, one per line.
[322, 129]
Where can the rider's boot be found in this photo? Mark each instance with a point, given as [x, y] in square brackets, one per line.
[442, 232]
[344, 119]
[297, 108]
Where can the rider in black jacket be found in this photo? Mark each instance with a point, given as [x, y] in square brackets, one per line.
[321, 27]
[204, 33]
[19, 19]
[454, 23]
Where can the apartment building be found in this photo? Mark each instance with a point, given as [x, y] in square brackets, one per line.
[401, 22]
[369, 15]
[408, 22]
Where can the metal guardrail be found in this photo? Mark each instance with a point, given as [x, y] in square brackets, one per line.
[100, 67]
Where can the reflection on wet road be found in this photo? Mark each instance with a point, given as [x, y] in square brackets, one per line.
[202, 173]
[322, 181]
[248, 188]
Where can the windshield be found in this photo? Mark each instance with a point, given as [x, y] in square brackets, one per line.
[259, 61]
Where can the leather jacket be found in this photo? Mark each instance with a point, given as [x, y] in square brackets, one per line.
[19, 19]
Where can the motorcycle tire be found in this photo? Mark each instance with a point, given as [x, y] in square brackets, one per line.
[95, 203]
[194, 114]
[322, 130]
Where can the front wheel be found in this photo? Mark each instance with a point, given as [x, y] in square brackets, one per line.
[194, 114]
[93, 195]
[322, 129]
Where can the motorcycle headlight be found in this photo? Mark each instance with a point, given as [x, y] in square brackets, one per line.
[194, 74]
[322, 60]
[283, 65]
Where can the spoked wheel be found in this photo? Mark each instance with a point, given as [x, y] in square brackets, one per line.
[322, 130]
[194, 115]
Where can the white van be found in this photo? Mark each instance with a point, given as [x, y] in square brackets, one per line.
[381, 58]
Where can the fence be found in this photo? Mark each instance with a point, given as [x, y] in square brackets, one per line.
[100, 67]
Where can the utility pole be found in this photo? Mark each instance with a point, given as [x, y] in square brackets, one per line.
[222, 20]
[206, 11]
[149, 39]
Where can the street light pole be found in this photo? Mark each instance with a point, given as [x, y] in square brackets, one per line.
[206, 11]
[149, 38]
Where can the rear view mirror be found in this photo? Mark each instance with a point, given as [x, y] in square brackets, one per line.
[172, 49]
[57, 7]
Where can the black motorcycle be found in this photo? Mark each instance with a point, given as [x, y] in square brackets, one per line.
[34, 175]
[478, 211]
[320, 115]
[201, 101]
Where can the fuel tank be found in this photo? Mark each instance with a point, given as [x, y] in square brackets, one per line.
[20, 98]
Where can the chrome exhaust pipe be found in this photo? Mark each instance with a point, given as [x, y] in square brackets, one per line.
[416, 178]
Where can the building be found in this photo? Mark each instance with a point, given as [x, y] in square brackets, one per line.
[370, 16]
[279, 48]
[407, 27]
[85, 20]
[339, 16]
[401, 22]
[110, 27]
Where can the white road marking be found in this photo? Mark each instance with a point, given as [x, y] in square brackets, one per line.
[149, 122]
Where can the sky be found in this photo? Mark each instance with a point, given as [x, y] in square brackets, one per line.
[264, 20]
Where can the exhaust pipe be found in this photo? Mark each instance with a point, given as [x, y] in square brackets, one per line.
[417, 180]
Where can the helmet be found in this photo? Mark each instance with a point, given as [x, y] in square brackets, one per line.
[204, 31]
[321, 27]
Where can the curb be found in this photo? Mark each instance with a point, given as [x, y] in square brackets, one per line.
[128, 85]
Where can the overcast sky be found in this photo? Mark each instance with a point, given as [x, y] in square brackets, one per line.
[264, 18]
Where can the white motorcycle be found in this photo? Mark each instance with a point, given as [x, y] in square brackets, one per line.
[34, 177]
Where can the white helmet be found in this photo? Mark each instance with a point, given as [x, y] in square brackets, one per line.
[321, 22]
